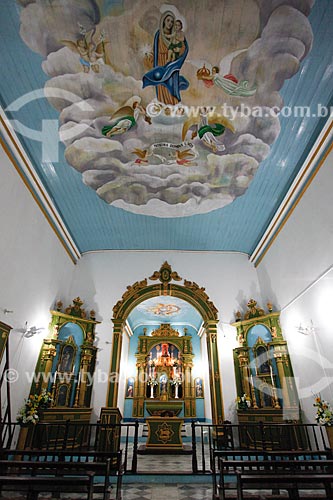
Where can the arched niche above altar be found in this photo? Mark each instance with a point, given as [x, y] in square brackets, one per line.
[127, 311]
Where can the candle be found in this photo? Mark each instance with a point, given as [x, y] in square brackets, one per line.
[251, 378]
[271, 371]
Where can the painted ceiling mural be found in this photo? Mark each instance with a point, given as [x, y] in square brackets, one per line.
[154, 98]
[159, 310]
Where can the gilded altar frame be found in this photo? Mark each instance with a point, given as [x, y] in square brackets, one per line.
[192, 293]
[263, 369]
[167, 402]
[56, 376]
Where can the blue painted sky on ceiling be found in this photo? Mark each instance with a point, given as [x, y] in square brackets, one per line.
[157, 310]
[237, 226]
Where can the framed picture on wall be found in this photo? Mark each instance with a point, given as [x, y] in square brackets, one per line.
[198, 387]
[129, 387]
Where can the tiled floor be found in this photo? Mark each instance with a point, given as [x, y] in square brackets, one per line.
[140, 491]
[167, 492]
[165, 463]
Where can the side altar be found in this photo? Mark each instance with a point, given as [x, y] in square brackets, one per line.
[163, 385]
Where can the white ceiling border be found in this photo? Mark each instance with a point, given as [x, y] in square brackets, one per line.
[33, 183]
[295, 192]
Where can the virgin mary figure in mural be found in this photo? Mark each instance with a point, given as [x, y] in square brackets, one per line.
[170, 51]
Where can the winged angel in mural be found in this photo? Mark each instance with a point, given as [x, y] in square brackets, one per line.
[89, 51]
[125, 118]
[156, 106]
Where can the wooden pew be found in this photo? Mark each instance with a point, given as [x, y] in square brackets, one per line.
[291, 481]
[231, 461]
[230, 455]
[70, 462]
[52, 483]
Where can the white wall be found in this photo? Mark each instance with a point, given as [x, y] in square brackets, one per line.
[295, 274]
[230, 280]
[34, 272]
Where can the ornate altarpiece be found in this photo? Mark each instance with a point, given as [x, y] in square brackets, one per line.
[66, 363]
[263, 368]
[164, 374]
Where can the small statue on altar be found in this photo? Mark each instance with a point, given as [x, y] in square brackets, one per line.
[164, 383]
[163, 388]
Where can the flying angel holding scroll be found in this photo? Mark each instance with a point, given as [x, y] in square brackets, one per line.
[209, 126]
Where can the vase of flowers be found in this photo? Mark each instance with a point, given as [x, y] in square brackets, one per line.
[243, 402]
[324, 416]
[176, 382]
[152, 382]
[30, 411]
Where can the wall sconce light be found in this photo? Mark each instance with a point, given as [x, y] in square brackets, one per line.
[6, 311]
[308, 330]
[32, 330]
[28, 331]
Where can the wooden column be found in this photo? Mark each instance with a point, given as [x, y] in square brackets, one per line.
[86, 358]
[139, 388]
[189, 400]
[214, 372]
[112, 398]
[49, 351]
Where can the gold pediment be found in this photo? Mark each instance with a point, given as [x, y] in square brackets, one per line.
[165, 330]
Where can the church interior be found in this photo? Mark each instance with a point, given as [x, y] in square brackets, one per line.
[166, 254]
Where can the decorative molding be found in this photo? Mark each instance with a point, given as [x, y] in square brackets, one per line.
[189, 291]
[165, 330]
[315, 159]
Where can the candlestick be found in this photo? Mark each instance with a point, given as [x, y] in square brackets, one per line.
[253, 394]
[271, 372]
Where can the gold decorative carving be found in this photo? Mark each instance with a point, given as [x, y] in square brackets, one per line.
[131, 290]
[200, 292]
[75, 309]
[165, 330]
[165, 274]
[164, 433]
[253, 311]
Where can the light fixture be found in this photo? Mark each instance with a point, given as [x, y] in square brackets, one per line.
[6, 311]
[307, 330]
[32, 330]
[28, 331]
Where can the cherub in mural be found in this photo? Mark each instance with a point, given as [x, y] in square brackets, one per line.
[170, 51]
[228, 83]
[208, 126]
[181, 157]
[90, 53]
[126, 117]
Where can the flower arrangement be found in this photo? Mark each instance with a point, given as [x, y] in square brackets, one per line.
[29, 413]
[177, 380]
[243, 402]
[324, 415]
[152, 381]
